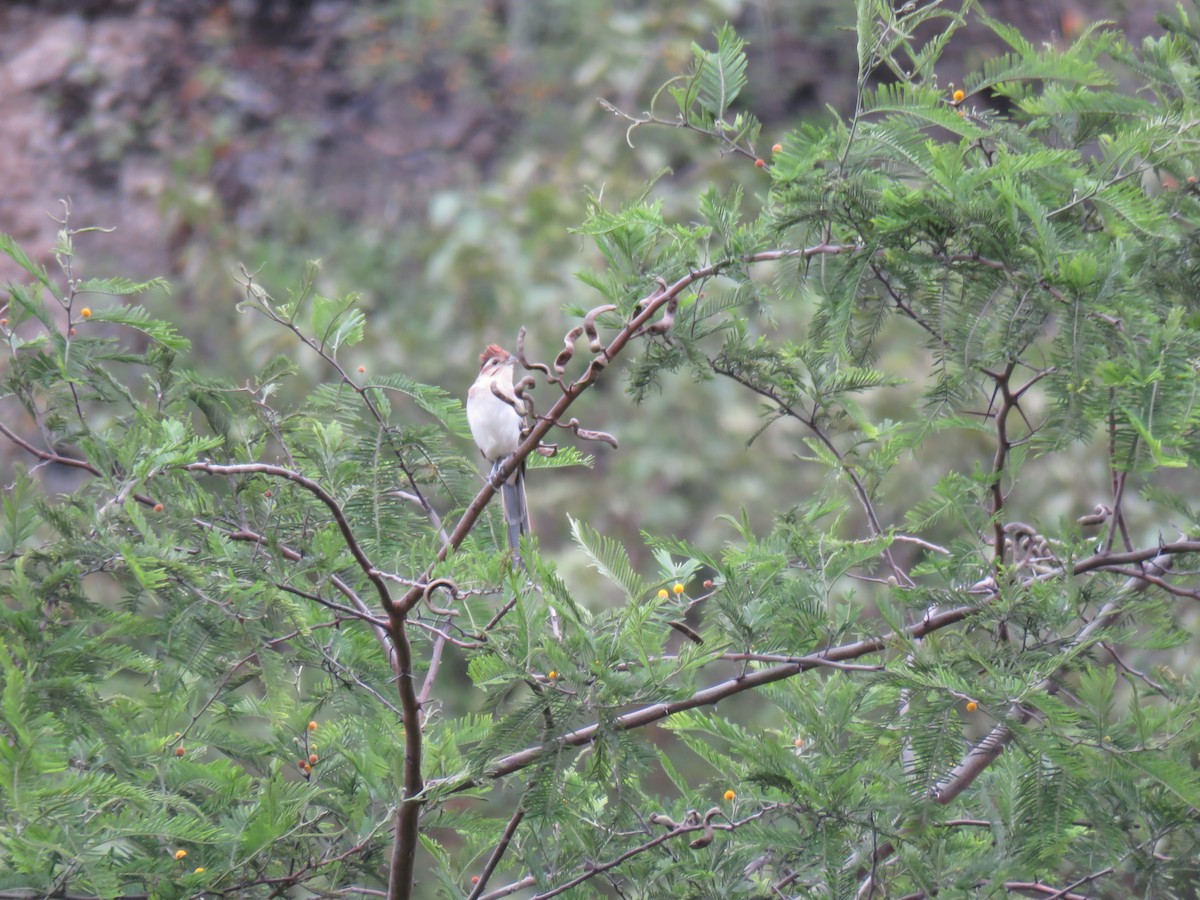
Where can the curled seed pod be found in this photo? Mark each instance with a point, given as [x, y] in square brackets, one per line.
[667, 322]
[568, 350]
[440, 584]
[1097, 517]
[587, 435]
[589, 327]
[533, 366]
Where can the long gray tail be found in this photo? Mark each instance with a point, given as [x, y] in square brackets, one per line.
[516, 513]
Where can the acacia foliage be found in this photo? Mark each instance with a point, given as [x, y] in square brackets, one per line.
[232, 645]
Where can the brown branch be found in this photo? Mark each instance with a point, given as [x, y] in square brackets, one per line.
[509, 889]
[261, 302]
[329, 604]
[335, 509]
[707, 826]
[497, 853]
[1041, 890]
[1008, 402]
[58, 459]
[295, 878]
[1154, 580]
[903, 305]
[860, 489]
[715, 693]
[1104, 560]
[1141, 676]
[290, 553]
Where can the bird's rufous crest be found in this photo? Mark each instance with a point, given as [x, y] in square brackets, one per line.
[493, 351]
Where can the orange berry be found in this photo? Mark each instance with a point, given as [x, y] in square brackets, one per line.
[778, 148]
[474, 879]
[158, 507]
[307, 769]
[972, 706]
[180, 854]
[551, 674]
[86, 312]
[662, 594]
[361, 369]
[678, 588]
[312, 759]
[730, 795]
[708, 582]
[959, 96]
[198, 869]
[312, 726]
[799, 743]
[3, 323]
[267, 493]
[179, 751]
[761, 163]
[71, 331]
[1191, 180]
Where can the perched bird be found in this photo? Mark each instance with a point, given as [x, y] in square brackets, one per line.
[495, 415]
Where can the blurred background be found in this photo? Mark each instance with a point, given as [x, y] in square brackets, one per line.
[434, 154]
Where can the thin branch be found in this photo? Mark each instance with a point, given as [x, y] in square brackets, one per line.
[713, 694]
[779, 658]
[981, 755]
[59, 459]
[329, 604]
[296, 877]
[261, 302]
[707, 827]
[1125, 667]
[1007, 403]
[1039, 889]
[1107, 560]
[335, 509]
[497, 853]
[920, 542]
[509, 889]
[1154, 580]
[860, 489]
[290, 553]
